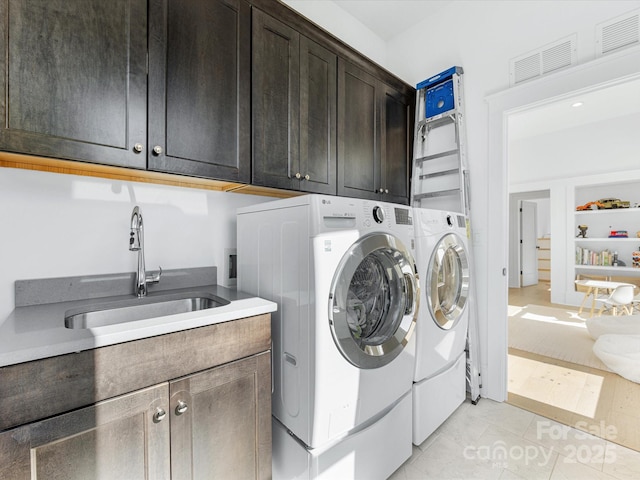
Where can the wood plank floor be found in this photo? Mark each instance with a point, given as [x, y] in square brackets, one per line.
[599, 402]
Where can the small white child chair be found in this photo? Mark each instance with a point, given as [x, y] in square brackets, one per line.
[619, 302]
[636, 304]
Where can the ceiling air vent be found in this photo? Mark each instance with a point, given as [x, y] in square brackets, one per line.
[620, 32]
[543, 60]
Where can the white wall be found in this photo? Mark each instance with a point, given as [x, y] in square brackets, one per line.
[595, 148]
[65, 225]
[341, 24]
[608, 71]
[482, 36]
[544, 217]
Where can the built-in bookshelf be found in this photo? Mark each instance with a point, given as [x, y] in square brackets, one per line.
[598, 251]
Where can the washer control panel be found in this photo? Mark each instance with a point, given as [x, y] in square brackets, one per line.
[378, 214]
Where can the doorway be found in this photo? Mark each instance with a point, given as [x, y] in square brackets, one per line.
[529, 231]
[600, 406]
[615, 69]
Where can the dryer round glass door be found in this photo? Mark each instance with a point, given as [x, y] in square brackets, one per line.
[373, 301]
[448, 281]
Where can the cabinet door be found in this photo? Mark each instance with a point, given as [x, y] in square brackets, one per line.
[396, 145]
[221, 421]
[276, 103]
[318, 91]
[115, 439]
[73, 78]
[199, 80]
[358, 133]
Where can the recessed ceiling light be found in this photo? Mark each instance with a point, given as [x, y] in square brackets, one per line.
[577, 104]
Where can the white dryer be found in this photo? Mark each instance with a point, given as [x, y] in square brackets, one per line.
[443, 265]
[342, 272]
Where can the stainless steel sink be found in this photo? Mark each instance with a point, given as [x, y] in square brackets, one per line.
[131, 310]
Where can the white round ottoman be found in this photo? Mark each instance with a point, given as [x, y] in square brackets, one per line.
[625, 325]
[621, 353]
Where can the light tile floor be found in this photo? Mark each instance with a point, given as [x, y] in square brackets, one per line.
[493, 440]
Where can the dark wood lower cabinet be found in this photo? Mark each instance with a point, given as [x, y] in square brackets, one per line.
[115, 439]
[192, 404]
[221, 422]
[213, 424]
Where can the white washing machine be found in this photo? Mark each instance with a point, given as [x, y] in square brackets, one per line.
[342, 272]
[443, 266]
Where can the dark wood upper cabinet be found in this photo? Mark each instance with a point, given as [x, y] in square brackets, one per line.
[358, 133]
[73, 76]
[318, 118]
[294, 109]
[199, 79]
[276, 98]
[397, 144]
[245, 91]
[374, 137]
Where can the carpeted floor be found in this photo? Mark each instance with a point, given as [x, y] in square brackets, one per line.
[552, 332]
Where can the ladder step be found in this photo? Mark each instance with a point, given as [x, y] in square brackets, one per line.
[441, 118]
[453, 171]
[438, 155]
[441, 193]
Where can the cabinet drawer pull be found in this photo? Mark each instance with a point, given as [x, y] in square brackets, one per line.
[181, 407]
[159, 415]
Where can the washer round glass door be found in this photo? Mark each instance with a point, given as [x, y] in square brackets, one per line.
[448, 281]
[373, 301]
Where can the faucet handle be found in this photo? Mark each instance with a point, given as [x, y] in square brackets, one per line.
[154, 277]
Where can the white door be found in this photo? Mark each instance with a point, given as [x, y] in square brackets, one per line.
[528, 251]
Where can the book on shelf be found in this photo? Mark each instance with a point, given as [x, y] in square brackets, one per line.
[585, 256]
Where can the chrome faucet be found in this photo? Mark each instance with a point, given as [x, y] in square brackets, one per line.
[136, 244]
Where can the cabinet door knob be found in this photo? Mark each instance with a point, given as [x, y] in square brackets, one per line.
[157, 150]
[386, 190]
[381, 190]
[138, 147]
[181, 407]
[298, 176]
[159, 415]
[307, 177]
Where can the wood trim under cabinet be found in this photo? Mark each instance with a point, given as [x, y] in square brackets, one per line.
[69, 167]
[53, 165]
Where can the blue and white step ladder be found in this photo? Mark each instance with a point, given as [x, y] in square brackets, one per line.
[440, 175]
[440, 178]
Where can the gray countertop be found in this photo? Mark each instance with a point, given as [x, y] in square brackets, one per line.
[37, 331]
